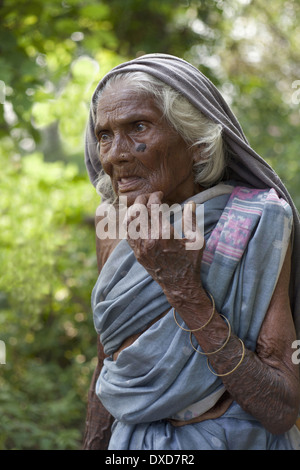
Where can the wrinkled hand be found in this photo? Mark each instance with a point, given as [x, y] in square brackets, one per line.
[165, 254]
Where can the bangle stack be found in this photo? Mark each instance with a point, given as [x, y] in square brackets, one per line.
[219, 349]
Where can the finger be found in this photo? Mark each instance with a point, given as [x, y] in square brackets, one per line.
[142, 199]
[155, 198]
[191, 230]
[154, 210]
[189, 217]
[135, 211]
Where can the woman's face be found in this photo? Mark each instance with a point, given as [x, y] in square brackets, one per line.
[139, 150]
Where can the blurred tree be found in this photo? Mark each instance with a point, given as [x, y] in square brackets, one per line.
[51, 56]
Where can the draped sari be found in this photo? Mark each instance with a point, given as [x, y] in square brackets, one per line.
[243, 163]
[159, 377]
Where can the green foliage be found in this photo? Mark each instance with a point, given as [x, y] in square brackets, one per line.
[48, 270]
[51, 56]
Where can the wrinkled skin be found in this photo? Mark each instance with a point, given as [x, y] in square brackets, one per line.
[169, 252]
[125, 124]
[266, 383]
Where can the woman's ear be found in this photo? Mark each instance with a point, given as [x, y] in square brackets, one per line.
[198, 153]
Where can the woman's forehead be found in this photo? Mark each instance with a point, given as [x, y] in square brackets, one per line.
[125, 103]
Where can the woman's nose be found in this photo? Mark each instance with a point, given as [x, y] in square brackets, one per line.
[119, 150]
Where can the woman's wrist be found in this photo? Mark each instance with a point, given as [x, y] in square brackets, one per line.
[194, 307]
[207, 328]
[187, 297]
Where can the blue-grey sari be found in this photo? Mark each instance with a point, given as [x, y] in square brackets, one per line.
[160, 377]
[242, 162]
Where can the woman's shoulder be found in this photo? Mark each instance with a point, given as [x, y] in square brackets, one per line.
[265, 198]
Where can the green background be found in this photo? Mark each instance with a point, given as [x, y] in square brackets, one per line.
[52, 54]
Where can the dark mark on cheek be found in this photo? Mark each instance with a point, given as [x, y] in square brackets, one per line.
[141, 148]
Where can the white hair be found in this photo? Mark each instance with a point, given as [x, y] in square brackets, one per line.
[190, 123]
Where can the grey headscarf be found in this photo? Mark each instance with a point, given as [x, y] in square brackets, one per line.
[244, 165]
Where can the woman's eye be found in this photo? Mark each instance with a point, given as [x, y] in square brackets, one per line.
[140, 126]
[104, 137]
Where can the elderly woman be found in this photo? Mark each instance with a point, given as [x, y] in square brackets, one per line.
[198, 343]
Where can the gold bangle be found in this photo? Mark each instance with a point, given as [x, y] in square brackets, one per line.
[201, 327]
[227, 373]
[223, 345]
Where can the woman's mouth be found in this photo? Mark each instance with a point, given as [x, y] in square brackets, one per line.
[128, 183]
